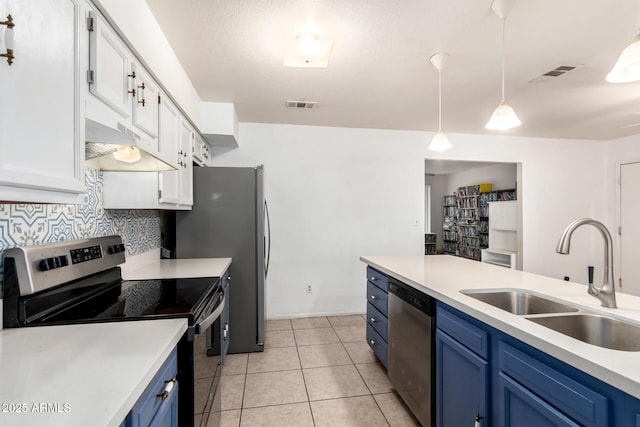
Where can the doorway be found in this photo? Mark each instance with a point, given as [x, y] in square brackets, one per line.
[443, 177]
[629, 228]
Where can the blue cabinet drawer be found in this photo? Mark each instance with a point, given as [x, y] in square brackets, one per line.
[377, 297]
[573, 399]
[377, 344]
[378, 321]
[378, 279]
[150, 402]
[474, 338]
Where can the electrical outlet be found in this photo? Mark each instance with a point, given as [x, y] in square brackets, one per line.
[309, 289]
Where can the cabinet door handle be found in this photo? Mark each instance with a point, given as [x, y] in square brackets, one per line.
[167, 388]
[477, 423]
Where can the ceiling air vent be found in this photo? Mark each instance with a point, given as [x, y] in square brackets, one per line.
[556, 72]
[301, 104]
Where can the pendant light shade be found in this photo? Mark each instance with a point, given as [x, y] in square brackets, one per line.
[503, 117]
[439, 142]
[627, 68]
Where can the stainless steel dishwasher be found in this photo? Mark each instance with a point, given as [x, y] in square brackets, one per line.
[411, 347]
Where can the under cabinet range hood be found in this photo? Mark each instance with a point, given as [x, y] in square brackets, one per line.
[121, 149]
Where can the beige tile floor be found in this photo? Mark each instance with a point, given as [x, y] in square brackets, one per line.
[313, 372]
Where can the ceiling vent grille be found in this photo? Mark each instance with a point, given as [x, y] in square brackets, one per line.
[301, 104]
[556, 72]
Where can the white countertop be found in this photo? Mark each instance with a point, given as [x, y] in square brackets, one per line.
[178, 268]
[444, 276]
[90, 375]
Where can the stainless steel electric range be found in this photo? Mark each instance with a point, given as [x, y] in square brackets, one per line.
[79, 281]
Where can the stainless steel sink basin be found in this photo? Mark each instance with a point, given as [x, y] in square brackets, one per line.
[597, 330]
[520, 302]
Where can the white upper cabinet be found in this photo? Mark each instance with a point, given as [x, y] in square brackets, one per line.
[41, 130]
[187, 137]
[110, 76]
[169, 145]
[200, 151]
[145, 101]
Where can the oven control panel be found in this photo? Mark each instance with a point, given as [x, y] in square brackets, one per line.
[41, 267]
[85, 254]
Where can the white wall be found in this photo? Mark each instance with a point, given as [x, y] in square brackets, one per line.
[139, 26]
[502, 177]
[337, 193]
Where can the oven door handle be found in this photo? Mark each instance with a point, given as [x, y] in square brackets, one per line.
[204, 325]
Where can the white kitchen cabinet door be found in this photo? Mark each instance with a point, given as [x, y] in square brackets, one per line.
[169, 144]
[197, 150]
[187, 137]
[41, 131]
[145, 101]
[110, 76]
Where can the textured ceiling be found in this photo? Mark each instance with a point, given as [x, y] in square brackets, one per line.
[379, 75]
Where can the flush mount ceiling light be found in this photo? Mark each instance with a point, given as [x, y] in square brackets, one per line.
[306, 51]
[503, 117]
[627, 68]
[440, 142]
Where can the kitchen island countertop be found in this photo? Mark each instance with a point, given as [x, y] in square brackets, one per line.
[444, 276]
[80, 375]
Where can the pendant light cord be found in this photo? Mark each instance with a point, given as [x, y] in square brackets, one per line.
[503, 73]
[440, 98]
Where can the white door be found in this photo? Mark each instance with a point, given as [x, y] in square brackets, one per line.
[630, 228]
[41, 135]
[169, 145]
[109, 61]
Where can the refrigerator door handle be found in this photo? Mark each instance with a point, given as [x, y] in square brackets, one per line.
[268, 239]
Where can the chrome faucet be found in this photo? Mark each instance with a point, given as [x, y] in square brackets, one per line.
[607, 292]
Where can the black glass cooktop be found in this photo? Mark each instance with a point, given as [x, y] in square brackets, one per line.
[102, 300]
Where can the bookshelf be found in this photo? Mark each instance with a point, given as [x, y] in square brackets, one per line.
[473, 224]
[430, 243]
[466, 225]
[450, 225]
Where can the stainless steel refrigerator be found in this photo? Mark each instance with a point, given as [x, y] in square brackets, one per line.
[230, 219]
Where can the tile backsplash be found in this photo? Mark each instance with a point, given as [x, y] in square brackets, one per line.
[31, 224]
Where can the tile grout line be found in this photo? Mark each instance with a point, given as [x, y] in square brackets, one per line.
[244, 387]
[306, 390]
[363, 380]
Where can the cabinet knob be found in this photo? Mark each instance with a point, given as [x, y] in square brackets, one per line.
[373, 320]
[228, 277]
[478, 418]
[372, 278]
[372, 342]
[373, 297]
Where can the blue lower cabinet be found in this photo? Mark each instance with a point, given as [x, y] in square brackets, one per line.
[516, 385]
[462, 384]
[377, 313]
[522, 408]
[225, 331]
[158, 405]
[377, 344]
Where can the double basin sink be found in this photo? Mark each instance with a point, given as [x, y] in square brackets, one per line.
[567, 319]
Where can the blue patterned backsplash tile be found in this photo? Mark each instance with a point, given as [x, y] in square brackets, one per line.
[32, 224]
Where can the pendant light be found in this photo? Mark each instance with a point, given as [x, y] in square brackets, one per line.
[503, 117]
[440, 142]
[627, 68]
